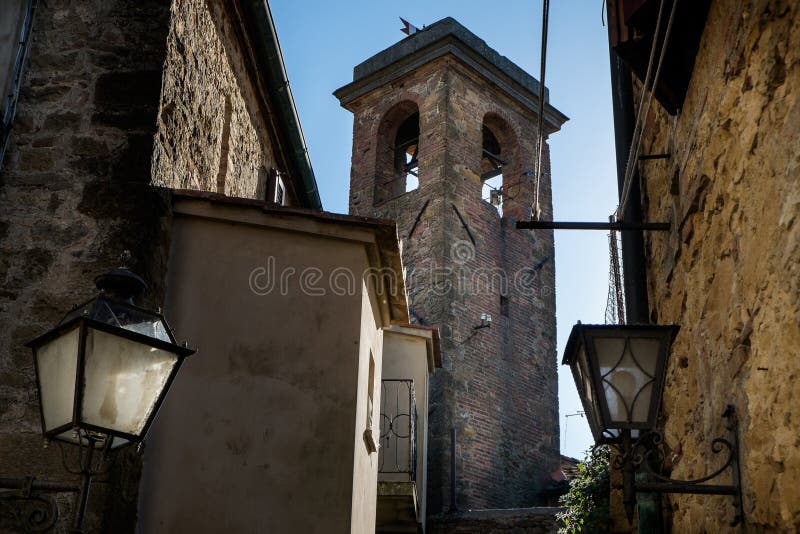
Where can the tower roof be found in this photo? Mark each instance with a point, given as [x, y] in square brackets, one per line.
[441, 38]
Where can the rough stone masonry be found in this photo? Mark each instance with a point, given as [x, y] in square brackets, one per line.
[729, 273]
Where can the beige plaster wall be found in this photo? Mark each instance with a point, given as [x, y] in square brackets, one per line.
[729, 273]
[261, 431]
[365, 463]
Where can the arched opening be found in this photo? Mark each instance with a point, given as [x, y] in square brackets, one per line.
[397, 165]
[406, 151]
[501, 182]
[492, 163]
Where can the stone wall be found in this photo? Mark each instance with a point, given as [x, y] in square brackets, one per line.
[74, 195]
[498, 385]
[104, 79]
[729, 272]
[211, 135]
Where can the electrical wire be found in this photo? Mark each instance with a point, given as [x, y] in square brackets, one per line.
[638, 121]
[644, 105]
[537, 210]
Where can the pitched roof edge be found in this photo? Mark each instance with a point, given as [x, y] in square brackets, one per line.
[268, 50]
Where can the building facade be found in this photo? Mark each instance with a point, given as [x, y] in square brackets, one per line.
[116, 106]
[111, 105]
[444, 144]
[278, 414]
[726, 113]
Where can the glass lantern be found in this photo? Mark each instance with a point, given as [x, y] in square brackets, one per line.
[104, 370]
[619, 372]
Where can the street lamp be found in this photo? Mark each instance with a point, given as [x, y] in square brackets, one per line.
[102, 374]
[619, 373]
[103, 371]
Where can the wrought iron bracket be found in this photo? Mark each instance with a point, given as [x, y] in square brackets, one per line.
[648, 452]
[24, 501]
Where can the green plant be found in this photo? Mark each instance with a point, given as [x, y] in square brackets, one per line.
[586, 502]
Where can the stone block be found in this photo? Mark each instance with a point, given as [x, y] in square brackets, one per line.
[60, 121]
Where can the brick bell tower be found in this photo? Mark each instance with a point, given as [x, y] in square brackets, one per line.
[444, 143]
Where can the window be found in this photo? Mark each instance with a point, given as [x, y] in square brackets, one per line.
[276, 188]
[280, 192]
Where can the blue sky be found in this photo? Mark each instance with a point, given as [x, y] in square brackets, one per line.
[323, 41]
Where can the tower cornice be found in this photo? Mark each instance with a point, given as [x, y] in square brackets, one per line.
[448, 37]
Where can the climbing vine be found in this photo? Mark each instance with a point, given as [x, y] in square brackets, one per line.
[586, 502]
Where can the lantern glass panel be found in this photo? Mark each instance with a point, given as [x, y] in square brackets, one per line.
[123, 381]
[585, 377]
[628, 370]
[131, 318]
[73, 435]
[57, 364]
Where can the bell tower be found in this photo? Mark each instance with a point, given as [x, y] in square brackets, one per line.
[444, 143]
